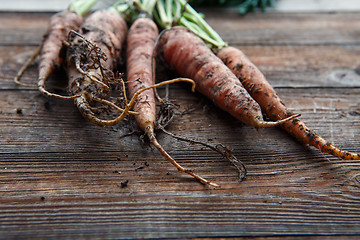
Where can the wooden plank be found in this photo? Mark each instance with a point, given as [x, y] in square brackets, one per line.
[60, 176]
[307, 66]
[281, 5]
[307, 50]
[317, 5]
[44, 5]
[23, 28]
[253, 29]
[338, 107]
[298, 190]
[298, 29]
[34, 5]
[284, 66]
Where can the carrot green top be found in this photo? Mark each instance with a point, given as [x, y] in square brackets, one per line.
[130, 10]
[178, 12]
[81, 7]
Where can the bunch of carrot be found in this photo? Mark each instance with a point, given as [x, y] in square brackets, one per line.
[93, 51]
[90, 50]
[248, 75]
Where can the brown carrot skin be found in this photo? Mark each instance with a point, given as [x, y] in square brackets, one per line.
[59, 26]
[191, 58]
[140, 44]
[263, 93]
[107, 30]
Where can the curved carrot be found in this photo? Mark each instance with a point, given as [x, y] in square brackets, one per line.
[59, 26]
[191, 58]
[261, 90]
[140, 45]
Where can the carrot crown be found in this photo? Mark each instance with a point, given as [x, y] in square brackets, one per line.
[130, 10]
[178, 12]
[81, 7]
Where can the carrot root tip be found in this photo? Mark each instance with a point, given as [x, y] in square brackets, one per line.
[264, 124]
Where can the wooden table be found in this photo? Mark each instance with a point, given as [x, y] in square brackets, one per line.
[60, 176]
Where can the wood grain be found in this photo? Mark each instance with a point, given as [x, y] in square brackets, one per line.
[61, 177]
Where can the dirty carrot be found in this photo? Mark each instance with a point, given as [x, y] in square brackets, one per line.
[60, 25]
[141, 40]
[261, 90]
[256, 84]
[191, 58]
[92, 55]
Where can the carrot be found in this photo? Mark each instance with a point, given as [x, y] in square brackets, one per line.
[60, 25]
[140, 45]
[191, 58]
[261, 90]
[255, 83]
[91, 57]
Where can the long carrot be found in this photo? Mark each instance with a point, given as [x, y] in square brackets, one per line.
[191, 58]
[59, 27]
[256, 84]
[140, 45]
[261, 90]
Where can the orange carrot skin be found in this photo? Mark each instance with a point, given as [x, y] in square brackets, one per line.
[191, 58]
[263, 93]
[59, 26]
[140, 44]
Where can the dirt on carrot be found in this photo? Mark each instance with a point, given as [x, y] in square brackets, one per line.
[92, 56]
[264, 94]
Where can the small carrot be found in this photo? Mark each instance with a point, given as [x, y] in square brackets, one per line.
[60, 25]
[261, 90]
[191, 58]
[140, 45]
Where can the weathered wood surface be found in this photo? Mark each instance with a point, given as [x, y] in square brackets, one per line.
[60, 176]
